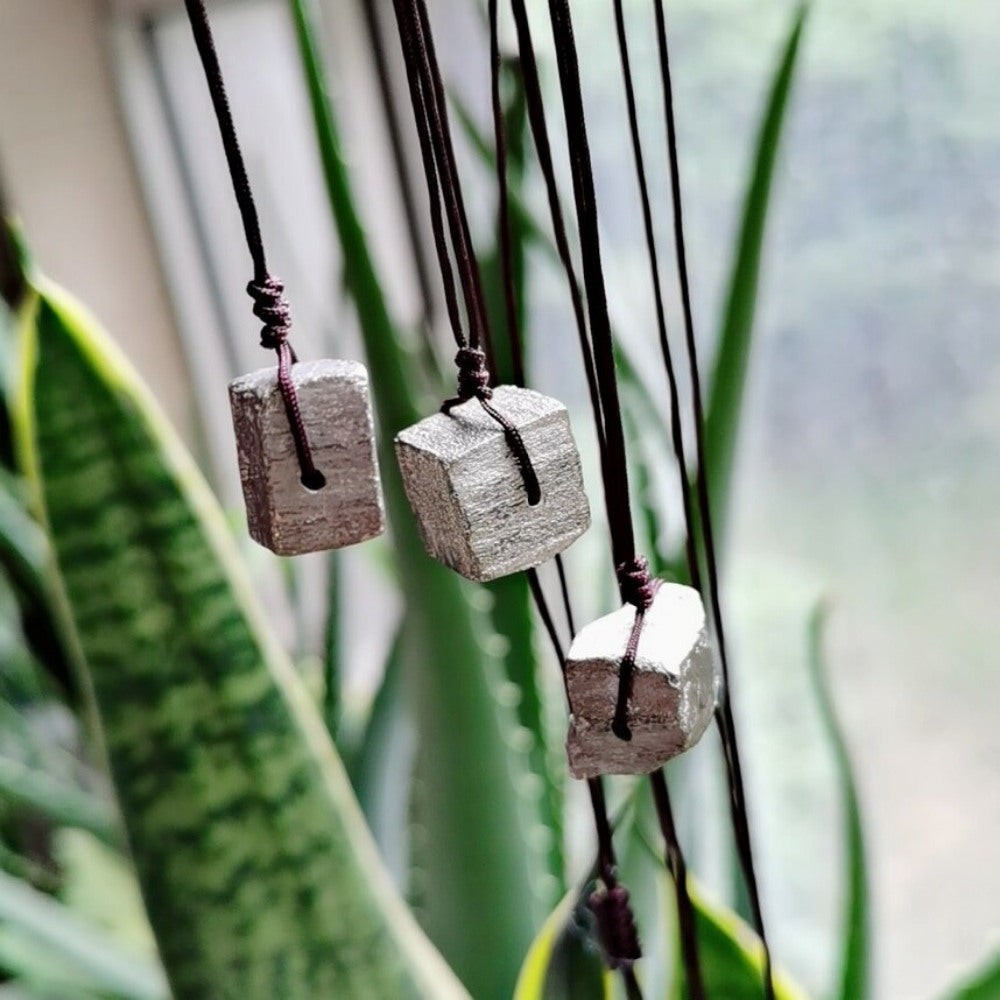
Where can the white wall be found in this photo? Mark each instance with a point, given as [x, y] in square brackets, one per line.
[68, 172]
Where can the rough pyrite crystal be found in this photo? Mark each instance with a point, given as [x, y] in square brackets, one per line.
[673, 686]
[467, 491]
[283, 513]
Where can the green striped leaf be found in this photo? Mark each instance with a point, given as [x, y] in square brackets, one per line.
[258, 874]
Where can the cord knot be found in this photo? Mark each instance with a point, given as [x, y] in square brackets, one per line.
[637, 586]
[616, 928]
[473, 377]
[271, 308]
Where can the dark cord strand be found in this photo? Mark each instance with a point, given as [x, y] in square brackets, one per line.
[678, 870]
[724, 714]
[270, 305]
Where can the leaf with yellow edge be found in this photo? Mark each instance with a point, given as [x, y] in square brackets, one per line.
[730, 952]
[561, 963]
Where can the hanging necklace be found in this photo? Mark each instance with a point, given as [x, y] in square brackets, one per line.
[494, 478]
[304, 430]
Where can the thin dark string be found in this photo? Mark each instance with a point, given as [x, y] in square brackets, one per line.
[678, 870]
[615, 921]
[376, 36]
[503, 201]
[614, 469]
[616, 924]
[461, 234]
[564, 589]
[676, 428]
[267, 291]
[724, 714]
[431, 117]
[540, 134]
[633, 577]
[422, 122]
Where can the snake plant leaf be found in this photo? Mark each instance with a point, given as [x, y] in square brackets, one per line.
[483, 869]
[23, 549]
[257, 872]
[854, 975]
[732, 353]
[731, 954]
[562, 964]
[45, 943]
[983, 984]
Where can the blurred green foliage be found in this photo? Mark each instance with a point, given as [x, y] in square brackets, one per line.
[155, 740]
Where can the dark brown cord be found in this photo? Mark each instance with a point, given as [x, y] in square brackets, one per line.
[376, 37]
[614, 468]
[434, 134]
[724, 713]
[616, 926]
[615, 922]
[270, 305]
[638, 588]
[503, 202]
[676, 426]
[678, 870]
[633, 582]
[473, 383]
[539, 131]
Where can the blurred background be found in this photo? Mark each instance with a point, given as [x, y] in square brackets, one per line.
[867, 470]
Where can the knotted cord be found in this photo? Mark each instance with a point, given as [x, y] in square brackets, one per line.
[443, 187]
[267, 291]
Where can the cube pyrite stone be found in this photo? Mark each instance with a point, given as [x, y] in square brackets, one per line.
[673, 686]
[282, 513]
[466, 490]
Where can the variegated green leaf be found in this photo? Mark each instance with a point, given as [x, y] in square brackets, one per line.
[258, 874]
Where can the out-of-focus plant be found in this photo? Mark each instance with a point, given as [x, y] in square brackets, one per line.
[132, 649]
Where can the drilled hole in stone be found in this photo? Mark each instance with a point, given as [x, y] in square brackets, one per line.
[313, 481]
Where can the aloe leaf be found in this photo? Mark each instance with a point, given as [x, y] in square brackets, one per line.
[562, 963]
[732, 357]
[381, 765]
[480, 819]
[511, 611]
[331, 647]
[854, 979]
[258, 874]
[983, 984]
[36, 931]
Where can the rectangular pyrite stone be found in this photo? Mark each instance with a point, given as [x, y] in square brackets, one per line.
[282, 513]
[673, 686]
[465, 486]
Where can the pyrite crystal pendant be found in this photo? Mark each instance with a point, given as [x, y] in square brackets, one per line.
[343, 505]
[468, 493]
[673, 686]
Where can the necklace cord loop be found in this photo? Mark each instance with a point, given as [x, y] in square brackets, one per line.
[474, 383]
[638, 588]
